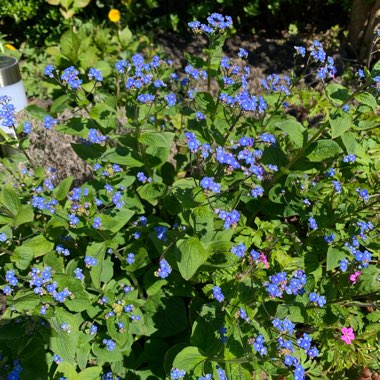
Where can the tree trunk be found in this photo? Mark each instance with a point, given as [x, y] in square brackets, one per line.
[365, 19]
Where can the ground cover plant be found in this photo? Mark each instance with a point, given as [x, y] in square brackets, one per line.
[221, 237]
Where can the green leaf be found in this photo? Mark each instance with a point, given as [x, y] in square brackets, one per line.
[340, 123]
[369, 279]
[113, 331]
[91, 373]
[68, 370]
[352, 145]
[188, 359]
[202, 220]
[26, 302]
[118, 221]
[125, 36]
[337, 92]
[367, 99]
[333, 257]
[35, 247]
[70, 44]
[123, 156]
[104, 115]
[294, 130]
[191, 256]
[152, 192]
[323, 149]
[81, 299]
[96, 250]
[88, 152]
[157, 139]
[25, 215]
[10, 200]
[61, 191]
[104, 355]
[63, 343]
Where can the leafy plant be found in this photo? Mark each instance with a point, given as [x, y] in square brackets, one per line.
[220, 237]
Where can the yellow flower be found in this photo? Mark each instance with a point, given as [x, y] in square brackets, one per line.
[10, 47]
[114, 15]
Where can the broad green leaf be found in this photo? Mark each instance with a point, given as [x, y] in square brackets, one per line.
[123, 156]
[337, 92]
[26, 302]
[115, 222]
[367, 99]
[63, 343]
[35, 247]
[192, 255]
[157, 139]
[10, 200]
[96, 250]
[352, 145]
[152, 192]
[61, 191]
[333, 257]
[81, 299]
[340, 123]
[294, 130]
[25, 215]
[202, 220]
[88, 152]
[189, 358]
[91, 373]
[70, 44]
[104, 115]
[68, 370]
[104, 355]
[125, 36]
[322, 150]
[121, 338]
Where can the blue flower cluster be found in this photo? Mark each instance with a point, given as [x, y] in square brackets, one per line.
[259, 345]
[279, 283]
[217, 293]
[317, 299]
[276, 83]
[164, 270]
[239, 250]
[216, 23]
[177, 374]
[110, 344]
[95, 137]
[70, 77]
[208, 183]
[7, 112]
[231, 219]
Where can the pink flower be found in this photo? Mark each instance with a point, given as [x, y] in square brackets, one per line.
[354, 277]
[264, 260]
[348, 335]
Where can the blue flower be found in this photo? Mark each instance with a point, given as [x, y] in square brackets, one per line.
[171, 99]
[177, 374]
[110, 344]
[48, 71]
[90, 261]
[242, 53]
[97, 223]
[49, 122]
[239, 250]
[164, 270]
[96, 74]
[27, 127]
[130, 258]
[217, 293]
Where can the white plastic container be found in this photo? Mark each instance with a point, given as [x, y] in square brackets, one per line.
[11, 85]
